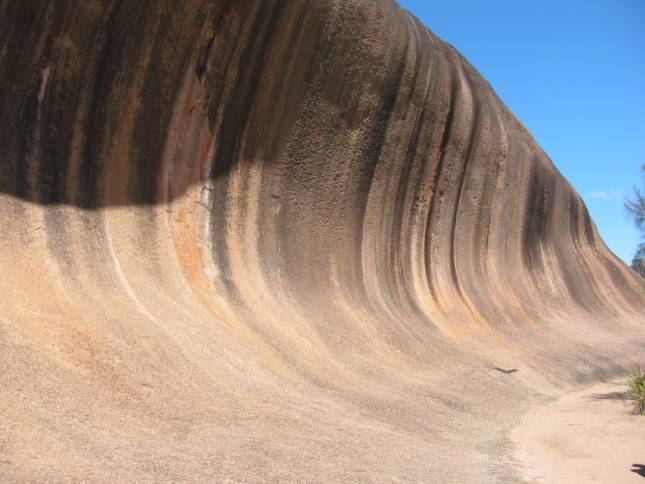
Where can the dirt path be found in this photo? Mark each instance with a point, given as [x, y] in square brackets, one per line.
[586, 436]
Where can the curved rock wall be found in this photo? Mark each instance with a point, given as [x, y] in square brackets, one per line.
[276, 239]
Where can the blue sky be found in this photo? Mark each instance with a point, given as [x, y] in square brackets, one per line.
[573, 71]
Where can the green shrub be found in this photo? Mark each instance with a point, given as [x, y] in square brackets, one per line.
[636, 391]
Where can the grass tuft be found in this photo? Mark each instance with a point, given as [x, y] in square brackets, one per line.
[636, 391]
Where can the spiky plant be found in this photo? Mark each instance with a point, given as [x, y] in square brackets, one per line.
[636, 391]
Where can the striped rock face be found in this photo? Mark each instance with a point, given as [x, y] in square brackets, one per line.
[279, 240]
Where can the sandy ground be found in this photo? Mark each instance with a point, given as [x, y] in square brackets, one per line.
[586, 436]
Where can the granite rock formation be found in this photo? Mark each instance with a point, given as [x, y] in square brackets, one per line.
[279, 240]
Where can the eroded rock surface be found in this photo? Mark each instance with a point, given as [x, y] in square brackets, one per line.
[279, 239]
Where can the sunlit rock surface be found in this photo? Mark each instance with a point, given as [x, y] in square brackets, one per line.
[279, 239]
